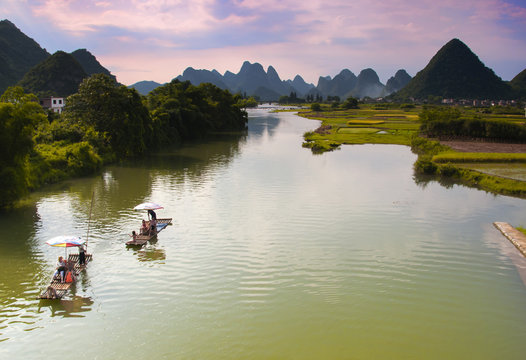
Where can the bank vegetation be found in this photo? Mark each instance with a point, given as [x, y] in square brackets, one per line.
[102, 123]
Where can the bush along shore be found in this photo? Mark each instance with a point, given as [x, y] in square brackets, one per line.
[424, 129]
[102, 123]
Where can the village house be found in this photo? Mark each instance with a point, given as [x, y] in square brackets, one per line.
[56, 104]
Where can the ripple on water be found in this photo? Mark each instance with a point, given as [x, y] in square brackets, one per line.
[273, 253]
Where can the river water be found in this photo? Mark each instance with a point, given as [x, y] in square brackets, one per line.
[274, 253]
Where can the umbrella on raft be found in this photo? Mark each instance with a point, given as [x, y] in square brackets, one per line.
[65, 241]
[150, 206]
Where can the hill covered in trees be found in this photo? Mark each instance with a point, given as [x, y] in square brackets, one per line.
[24, 62]
[18, 54]
[90, 64]
[58, 75]
[455, 72]
[518, 84]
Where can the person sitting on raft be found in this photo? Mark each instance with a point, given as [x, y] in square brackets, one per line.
[133, 235]
[61, 268]
[70, 276]
[144, 228]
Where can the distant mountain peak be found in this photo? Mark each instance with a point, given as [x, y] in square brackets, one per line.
[298, 78]
[273, 74]
[248, 67]
[397, 82]
[90, 64]
[144, 87]
[369, 74]
[8, 23]
[18, 54]
[456, 72]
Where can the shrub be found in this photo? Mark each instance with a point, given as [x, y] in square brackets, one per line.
[315, 107]
[448, 170]
[407, 107]
[424, 165]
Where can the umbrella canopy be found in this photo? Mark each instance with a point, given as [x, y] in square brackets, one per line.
[148, 206]
[65, 241]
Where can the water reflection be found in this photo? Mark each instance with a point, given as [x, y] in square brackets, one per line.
[423, 180]
[265, 234]
[216, 150]
[151, 254]
[262, 124]
[74, 307]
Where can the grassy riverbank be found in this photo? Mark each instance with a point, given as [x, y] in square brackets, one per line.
[495, 167]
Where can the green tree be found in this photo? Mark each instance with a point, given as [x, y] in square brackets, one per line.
[181, 111]
[284, 99]
[315, 107]
[115, 112]
[350, 103]
[248, 103]
[20, 113]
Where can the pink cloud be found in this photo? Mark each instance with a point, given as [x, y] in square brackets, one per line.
[311, 38]
[177, 17]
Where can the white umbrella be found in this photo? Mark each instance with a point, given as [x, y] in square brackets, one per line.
[148, 206]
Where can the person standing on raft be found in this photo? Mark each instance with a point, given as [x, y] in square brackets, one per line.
[152, 214]
[82, 255]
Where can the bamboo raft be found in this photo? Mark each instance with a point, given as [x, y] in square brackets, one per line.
[57, 289]
[142, 239]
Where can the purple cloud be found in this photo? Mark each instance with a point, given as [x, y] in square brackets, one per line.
[310, 38]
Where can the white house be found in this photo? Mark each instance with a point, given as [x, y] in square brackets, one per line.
[54, 103]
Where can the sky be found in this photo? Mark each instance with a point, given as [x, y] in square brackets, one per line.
[158, 39]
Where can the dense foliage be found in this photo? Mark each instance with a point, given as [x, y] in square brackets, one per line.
[291, 99]
[115, 113]
[350, 103]
[19, 116]
[182, 111]
[450, 122]
[248, 103]
[102, 123]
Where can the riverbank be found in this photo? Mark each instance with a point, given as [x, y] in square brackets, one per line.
[517, 237]
[496, 167]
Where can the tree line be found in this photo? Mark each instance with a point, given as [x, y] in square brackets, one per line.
[102, 123]
[451, 122]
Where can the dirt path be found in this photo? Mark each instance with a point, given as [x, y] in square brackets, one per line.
[487, 147]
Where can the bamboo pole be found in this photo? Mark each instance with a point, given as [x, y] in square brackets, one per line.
[89, 220]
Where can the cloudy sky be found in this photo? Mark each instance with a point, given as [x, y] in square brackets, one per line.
[157, 39]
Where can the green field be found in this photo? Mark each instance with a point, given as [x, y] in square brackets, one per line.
[503, 173]
[362, 126]
[516, 171]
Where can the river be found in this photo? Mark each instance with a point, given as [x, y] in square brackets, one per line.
[274, 253]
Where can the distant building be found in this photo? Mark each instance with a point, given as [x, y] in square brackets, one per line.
[54, 103]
